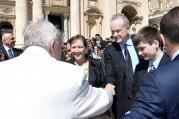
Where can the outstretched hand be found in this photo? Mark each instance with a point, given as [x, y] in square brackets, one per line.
[110, 88]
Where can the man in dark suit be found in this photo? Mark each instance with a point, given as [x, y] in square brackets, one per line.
[148, 42]
[120, 60]
[7, 46]
[157, 97]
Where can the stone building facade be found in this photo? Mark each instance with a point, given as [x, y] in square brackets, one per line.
[157, 8]
[87, 17]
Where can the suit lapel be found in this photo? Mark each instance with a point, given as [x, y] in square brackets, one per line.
[3, 50]
[146, 66]
[91, 74]
[119, 56]
[165, 59]
[142, 67]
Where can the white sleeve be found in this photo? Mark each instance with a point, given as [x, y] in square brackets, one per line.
[91, 101]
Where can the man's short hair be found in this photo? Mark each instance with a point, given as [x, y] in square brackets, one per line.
[147, 35]
[169, 25]
[123, 17]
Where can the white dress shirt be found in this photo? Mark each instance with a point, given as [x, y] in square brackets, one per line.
[175, 54]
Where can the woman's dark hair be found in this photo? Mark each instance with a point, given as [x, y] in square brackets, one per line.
[79, 37]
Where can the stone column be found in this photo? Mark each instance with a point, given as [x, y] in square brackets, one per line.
[21, 21]
[86, 26]
[100, 25]
[108, 13]
[75, 17]
[66, 27]
[46, 15]
[82, 22]
[37, 10]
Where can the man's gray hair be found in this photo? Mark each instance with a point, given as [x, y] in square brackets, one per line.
[123, 17]
[41, 34]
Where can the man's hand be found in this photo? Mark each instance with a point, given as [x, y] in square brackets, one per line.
[110, 88]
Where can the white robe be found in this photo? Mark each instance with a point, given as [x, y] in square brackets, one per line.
[36, 86]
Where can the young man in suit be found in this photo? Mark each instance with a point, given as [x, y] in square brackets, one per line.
[149, 44]
[7, 46]
[41, 87]
[158, 95]
[120, 60]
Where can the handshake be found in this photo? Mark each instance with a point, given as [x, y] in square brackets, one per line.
[110, 88]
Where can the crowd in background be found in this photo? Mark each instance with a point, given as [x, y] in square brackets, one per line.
[122, 63]
[96, 46]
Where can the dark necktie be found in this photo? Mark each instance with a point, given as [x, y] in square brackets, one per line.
[10, 53]
[151, 67]
[129, 69]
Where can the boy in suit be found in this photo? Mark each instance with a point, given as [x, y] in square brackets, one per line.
[148, 42]
[157, 97]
